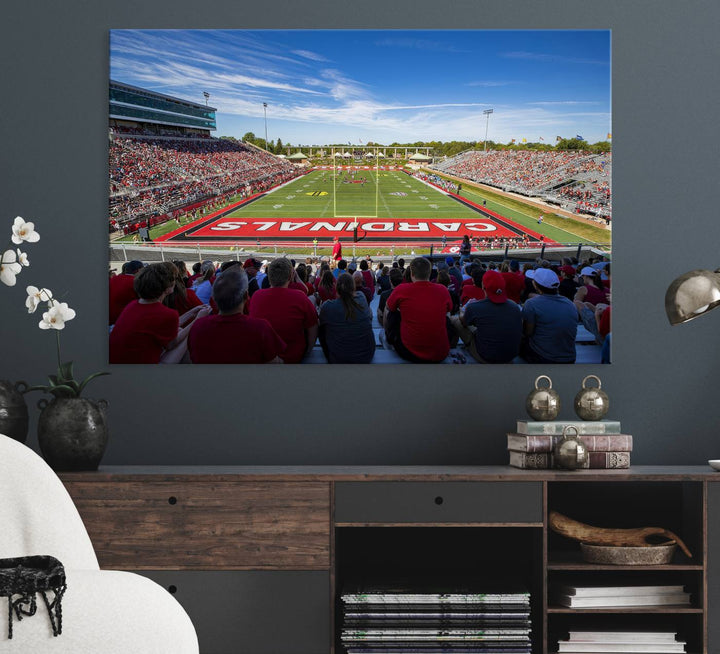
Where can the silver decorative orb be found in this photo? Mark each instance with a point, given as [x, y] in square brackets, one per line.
[570, 453]
[543, 403]
[591, 403]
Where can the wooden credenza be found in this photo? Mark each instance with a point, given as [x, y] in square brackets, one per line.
[259, 556]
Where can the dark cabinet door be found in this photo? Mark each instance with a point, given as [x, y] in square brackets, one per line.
[252, 610]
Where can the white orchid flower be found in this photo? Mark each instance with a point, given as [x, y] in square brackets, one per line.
[22, 231]
[56, 316]
[22, 258]
[9, 267]
[36, 296]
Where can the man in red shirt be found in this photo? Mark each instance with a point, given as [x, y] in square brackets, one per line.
[289, 311]
[475, 290]
[415, 318]
[337, 249]
[232, 337]
[514, 282]
[121, 289]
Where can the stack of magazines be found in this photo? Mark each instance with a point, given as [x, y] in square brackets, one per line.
[600, 642]
[386, 621]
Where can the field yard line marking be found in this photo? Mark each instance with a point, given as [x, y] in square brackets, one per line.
[326, 207]
[385, 204]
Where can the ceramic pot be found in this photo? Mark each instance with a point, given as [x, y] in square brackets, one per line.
[72, 433]
[13, 410]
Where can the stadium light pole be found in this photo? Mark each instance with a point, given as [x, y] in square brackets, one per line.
[207, 97]
[487, 113]
[265, 114]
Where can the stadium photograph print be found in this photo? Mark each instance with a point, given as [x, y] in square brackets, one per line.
[369, 196]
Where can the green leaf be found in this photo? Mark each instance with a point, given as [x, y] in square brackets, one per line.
[89, 379]
[63, 391]
[65, 371]
[53, 380]
[45, 389]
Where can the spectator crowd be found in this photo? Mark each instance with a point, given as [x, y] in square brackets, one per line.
[577, 180]
[277, 311]
[155, 177]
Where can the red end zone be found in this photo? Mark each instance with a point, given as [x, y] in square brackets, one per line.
[375, 227]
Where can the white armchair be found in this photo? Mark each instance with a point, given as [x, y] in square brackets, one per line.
[104, 612]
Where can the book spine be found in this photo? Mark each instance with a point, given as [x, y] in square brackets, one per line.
[555, 428]
[529, 460]
[593, 442]
[608, 460]
[603, 461]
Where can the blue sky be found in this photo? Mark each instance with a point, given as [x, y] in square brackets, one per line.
[340, 86]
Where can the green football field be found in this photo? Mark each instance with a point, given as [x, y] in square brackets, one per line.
[388, 205]
[385, 194]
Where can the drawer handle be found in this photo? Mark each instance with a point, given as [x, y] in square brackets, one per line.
[439, 500]
[172, 589]
[172, 500]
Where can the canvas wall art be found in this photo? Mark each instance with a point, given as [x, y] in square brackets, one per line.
[360, 197]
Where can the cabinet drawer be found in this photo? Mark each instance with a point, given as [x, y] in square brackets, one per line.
[220, 525]
[254, 611]
[453, 502]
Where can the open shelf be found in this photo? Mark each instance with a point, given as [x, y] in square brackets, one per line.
[572, 560]
[686, 623]
[476, 559]
[678, 507]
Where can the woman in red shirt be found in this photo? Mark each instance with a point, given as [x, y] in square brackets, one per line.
[326, 288]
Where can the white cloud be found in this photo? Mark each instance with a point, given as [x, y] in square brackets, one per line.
[563, 102]
[551, 58]
[307, 54]
[489, 83]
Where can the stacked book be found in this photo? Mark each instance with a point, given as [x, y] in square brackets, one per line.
[401, 622]
[531, 446]
[597, 642]
[584, 597]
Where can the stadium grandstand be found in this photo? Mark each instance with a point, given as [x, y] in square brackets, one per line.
[163, 160]
[577, 181]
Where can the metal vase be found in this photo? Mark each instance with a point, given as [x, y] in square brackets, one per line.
[570, 453]
[13, 410]
[591, 403]
[72, 433]
[543, 403]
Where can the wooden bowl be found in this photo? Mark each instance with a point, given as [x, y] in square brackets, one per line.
[621, 555]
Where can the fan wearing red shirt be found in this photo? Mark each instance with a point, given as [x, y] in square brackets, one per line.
[289, 311]
[231, 336]
[514, 282]
[415, 318]
[337, 249]
[122, 291]
[368, 277]
[147, 331]
[475, 290]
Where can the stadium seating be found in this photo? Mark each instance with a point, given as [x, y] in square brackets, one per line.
[578, 181]
[152, 176]
[586, 349]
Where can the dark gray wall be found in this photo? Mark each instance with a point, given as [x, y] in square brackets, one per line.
[663, 386]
